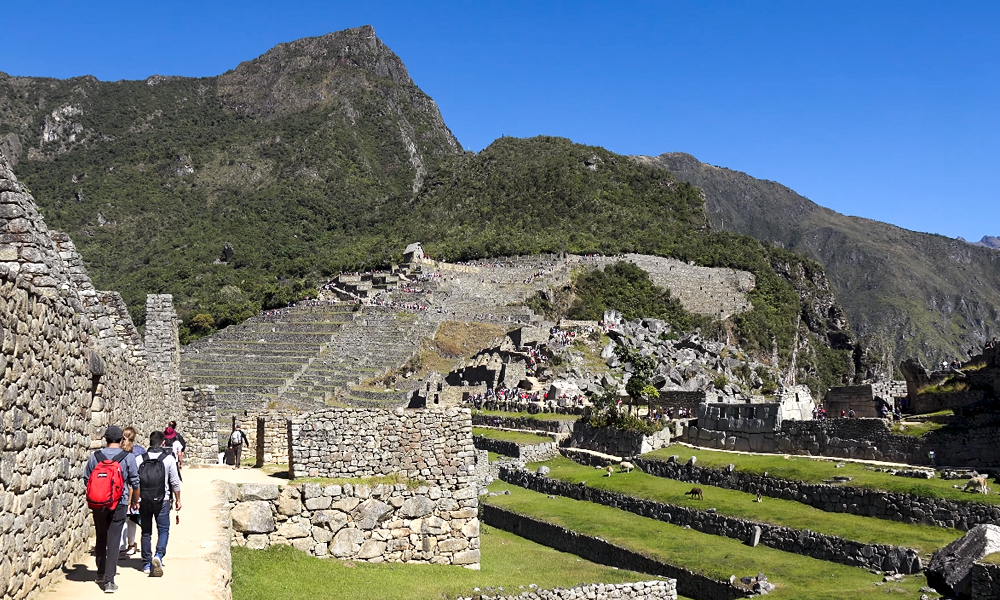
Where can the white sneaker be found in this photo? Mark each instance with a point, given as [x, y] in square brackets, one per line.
[156, 569]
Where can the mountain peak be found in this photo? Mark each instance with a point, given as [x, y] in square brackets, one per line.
[294, 74]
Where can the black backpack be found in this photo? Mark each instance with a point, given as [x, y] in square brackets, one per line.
[152, 481]
[180, 438]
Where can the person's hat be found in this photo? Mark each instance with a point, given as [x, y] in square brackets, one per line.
[169, 433]
[114, 433]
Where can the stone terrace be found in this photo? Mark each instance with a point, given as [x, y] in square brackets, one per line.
[250, 362]
[376, 342]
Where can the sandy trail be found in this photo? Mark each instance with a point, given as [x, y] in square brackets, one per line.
[191, 570]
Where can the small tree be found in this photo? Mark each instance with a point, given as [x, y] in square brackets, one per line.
[202, 323]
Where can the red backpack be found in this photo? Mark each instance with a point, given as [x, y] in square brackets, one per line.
[106, 484]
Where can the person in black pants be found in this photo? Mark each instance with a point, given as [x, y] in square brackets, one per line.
[236, 440]
[108, 522]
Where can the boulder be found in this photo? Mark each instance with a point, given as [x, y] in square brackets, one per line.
[257, 491]
[368, 514]
[253, 517]
[416, 507]
[347, 542]
[950, 571]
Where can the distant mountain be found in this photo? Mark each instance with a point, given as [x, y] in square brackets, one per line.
[292, 159]
[988, 241]
[906, 293]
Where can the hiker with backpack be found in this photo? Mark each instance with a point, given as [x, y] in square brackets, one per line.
[236, 441]
[112, 481]
[158, 480]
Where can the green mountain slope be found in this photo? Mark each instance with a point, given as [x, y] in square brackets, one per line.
[291, 159]
[907, 293]
[243, 190]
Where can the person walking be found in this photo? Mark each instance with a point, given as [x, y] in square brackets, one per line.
[128, 545]
[112, 481]
[173, 443]
[159, 480]
[236, 440]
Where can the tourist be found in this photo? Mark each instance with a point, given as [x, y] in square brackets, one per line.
[128, 545]
[109, 511]
[236, 440]
[152, 564]
[174, 445]
[850, 414]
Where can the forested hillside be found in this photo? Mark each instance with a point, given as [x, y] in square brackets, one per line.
[245, 190]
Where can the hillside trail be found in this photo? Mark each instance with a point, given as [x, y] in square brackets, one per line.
[191, 570]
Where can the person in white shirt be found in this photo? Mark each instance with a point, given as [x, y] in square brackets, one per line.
[153, 563]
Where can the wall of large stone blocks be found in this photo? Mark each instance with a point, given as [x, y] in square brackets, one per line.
[380, 523]
[201, 430]
[432, 445]
[275, 432]
[70, 362]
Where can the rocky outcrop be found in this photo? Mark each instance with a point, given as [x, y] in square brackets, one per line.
[950, 571]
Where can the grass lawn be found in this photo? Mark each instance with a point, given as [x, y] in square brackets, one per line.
[507, 561]
[527, 415]
[795, 576]
[923, 538]
[802, 468]
[511, 436]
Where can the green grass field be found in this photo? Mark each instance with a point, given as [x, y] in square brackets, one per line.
[796, 577]
[801, 468]
[527, 415]
[507, 561]
[788, 513]
[511, 436]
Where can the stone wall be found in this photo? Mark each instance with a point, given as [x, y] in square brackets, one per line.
[743, 418]
[616, 442]
[524, 423]
[71, 362]
[985, 581]
[275, 432]
[381, 523]
[433, 445]
[199, 433]
[869, 439]
[804, 542]
[660, 589]
[689, 583]
[523, 452]
[892, 506]
[163, 347]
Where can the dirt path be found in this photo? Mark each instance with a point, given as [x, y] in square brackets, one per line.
[192, 570]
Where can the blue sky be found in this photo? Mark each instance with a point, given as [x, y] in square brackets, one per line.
[885, 110]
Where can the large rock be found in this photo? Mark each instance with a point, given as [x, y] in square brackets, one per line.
[416, 507]
[258, 491]
[253, 517]
[950, 571]
[347, 542]
[368, 514]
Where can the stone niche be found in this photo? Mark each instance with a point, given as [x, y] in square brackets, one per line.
[380, 523]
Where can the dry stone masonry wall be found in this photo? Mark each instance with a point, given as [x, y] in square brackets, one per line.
[70, 363]
[201, 430]
[522, 452]
[661, 589]
[834, 498]
[616, 442]
[807, 543]
[381, 523]
[433, 445]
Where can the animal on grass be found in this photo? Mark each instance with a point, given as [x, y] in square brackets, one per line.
[695, 493]
[610, 470]
[759, 499]
[627, 466]
[977, 484]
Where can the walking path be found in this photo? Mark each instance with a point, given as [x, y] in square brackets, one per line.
[192, 569]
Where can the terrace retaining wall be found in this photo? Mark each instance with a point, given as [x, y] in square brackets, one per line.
[616, 442]
[689, 583]
[522, 452]
[893, 506]
[661, 589]
[384, 523]
[554, 426]
[882, 557]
